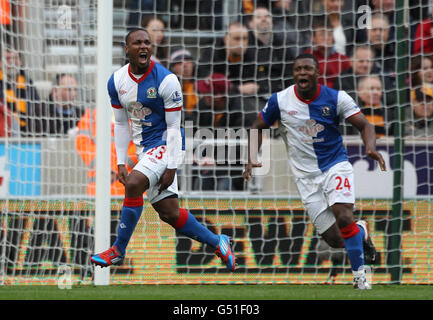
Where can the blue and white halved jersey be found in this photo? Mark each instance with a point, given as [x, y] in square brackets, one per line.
[146, 100]
[310, 129]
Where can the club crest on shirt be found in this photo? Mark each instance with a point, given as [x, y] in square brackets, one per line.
[326, 111]
[138, 110]
[151, 93]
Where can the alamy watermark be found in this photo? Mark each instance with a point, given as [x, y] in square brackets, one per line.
[64, 277]
[364, 21]
[369, 275]
[64, 17]
[212, 147]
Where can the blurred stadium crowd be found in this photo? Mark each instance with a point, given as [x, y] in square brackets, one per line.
[227, 77]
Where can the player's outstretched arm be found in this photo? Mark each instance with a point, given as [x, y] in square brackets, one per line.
[254, 144]
[368, 137]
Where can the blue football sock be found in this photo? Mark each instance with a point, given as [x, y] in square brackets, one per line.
[353, 241]
[131, 212]
[188, 225]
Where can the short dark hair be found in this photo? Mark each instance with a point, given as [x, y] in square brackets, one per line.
[363, 47]
[147, 18]
[59, 76]
[307, 56]
[132, 31]
[236, 23]
[321, 23]
[415, 66]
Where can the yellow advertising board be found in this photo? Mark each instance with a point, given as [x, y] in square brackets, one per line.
[274, 242]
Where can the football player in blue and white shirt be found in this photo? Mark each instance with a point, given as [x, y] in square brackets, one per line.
[308, 115]
[149, 97]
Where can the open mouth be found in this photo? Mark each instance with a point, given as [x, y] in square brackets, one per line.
[143, 56]
[303, 83]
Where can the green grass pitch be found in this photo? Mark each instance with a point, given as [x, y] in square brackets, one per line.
[217, 292]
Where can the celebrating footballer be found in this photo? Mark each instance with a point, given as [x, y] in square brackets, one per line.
[308, 115]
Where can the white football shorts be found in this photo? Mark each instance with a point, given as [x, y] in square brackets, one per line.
[152, 164]
[319, 193]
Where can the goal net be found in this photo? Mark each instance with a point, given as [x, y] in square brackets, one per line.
[230, 56]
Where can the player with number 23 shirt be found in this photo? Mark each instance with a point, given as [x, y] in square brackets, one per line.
[147, 103]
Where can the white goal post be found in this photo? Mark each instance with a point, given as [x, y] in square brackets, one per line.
[103, 174]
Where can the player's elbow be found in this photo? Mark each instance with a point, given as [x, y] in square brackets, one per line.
[367, 128]
[259, 124]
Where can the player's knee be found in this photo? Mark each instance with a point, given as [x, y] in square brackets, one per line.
[165, 216]
[131, 186]
[168, 216]
[135, 186]
[343, 214]
[333, 239]
[168, 210]
[345, 220]
[336, 242]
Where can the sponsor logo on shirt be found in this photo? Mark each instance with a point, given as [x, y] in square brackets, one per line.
[311, 129]
[177, 96]
[138, 110]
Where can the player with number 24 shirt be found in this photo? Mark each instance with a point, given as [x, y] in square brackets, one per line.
[308, 114]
